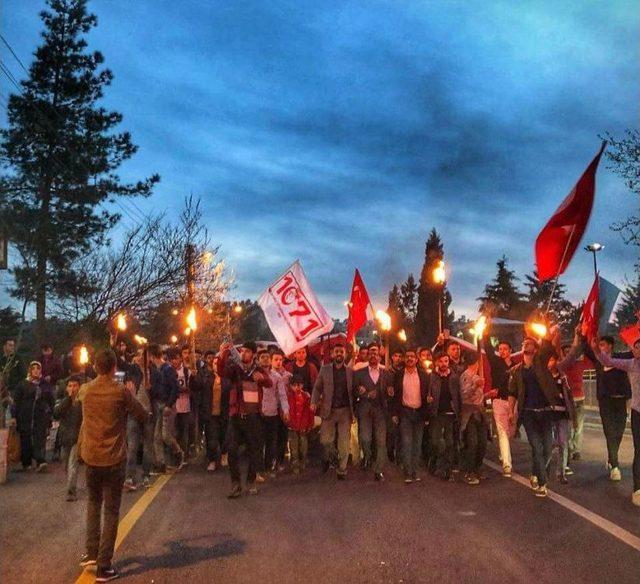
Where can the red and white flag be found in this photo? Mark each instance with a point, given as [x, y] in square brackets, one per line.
[358, 305]
[560, 237]
[591, 311]
[293, 312]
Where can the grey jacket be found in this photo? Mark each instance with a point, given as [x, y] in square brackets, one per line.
[322, 395]
[362, 378]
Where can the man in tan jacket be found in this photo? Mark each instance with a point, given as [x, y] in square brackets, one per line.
[103, 447]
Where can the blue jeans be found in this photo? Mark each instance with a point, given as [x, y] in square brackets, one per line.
[411, 431]
[538, 426]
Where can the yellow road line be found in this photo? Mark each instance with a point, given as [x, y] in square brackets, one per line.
[612, 528]
[129, 520]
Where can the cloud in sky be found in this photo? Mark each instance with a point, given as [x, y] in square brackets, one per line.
[340, 133]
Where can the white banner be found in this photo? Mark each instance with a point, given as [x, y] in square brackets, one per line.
[293, 312]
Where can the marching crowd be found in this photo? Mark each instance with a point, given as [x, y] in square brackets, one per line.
[131, 415]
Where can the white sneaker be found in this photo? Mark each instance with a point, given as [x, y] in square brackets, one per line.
[615, 474]
[260, 478]
[635, 498]
[533, 480]
[506, 471]
[211, 466]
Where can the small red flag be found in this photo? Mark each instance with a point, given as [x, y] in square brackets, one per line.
[358, 305]
[591, 312]
[560, 237]
[630, 334]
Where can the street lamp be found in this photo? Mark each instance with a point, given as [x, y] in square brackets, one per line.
[594, 248]
[439, 277]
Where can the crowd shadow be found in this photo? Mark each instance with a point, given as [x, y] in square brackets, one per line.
[182, 553]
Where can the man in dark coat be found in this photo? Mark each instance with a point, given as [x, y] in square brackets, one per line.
[68, 410]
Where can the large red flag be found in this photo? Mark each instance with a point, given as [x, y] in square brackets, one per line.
[358, 305]
[560, 237]
[591, 312]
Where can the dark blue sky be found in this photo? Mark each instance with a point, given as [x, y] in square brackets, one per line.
[340, 133]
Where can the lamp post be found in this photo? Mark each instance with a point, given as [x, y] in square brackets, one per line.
[594, 248]
[439, 277]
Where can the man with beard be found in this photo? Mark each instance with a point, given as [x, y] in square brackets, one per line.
[411, 388]
[245, 404]
[533, 390]
[444, 411]
[372, 385]
[394, 446]
[333, 400]
[302, 366]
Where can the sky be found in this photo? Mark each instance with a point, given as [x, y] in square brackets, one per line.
[340, 133]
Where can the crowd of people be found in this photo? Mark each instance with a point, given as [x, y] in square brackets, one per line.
[130, 415]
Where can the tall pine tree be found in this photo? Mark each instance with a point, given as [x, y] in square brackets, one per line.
[626, 312]
[409, 298]
[426, 320]
[501, 296]
[538, 294]
[61, 151]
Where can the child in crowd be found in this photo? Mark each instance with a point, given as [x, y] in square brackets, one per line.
[68, 410]
[300, 423]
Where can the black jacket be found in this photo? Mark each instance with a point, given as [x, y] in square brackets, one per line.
[202, 388]
[611, 383]
[435, 382]
[362, 377]
[164, 384]
[398, 380]
[500, 371]
[69, 412]
[34, 406]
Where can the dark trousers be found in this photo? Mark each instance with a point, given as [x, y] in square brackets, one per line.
[538, 426]
[104, 487]
[283, 439]
[411, 431]
[613, 413]
[442, 441]
[244, 429]
[211, 427]
[372, 424]
[394, 441]
[270, 427]
[475, 443]
[635, 432]
[183, 430]
[32, 447]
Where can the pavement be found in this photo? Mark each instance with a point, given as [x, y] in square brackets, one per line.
[316, 529]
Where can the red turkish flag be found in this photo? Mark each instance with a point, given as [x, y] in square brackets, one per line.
[631, 334]
[591, 312]
[358, 305]
[560, 237]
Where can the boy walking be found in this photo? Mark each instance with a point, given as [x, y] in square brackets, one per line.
[300, 423]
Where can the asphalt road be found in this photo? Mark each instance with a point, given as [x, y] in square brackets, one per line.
[316, 529]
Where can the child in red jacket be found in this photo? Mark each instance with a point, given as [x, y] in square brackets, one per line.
[300, 423]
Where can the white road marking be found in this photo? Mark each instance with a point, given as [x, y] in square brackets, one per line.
[593, 518]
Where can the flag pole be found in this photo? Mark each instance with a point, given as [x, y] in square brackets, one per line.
[555, 283]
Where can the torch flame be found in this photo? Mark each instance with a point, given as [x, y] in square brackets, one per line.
[539, 329]
[192, 323]
[173, 339]
[479, 327]
[84, 355]
[140, 340]
[237, 308]
[121, 322]
[187, 331]
[402, 335]
[384, 319]
[439, 275]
